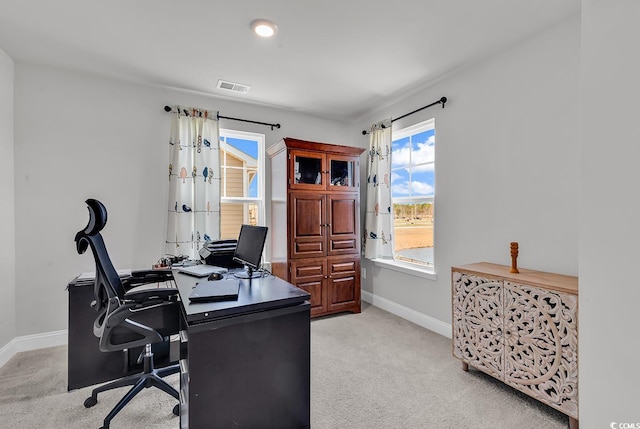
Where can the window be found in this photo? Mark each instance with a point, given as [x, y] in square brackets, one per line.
[412, 193]
[242, 184]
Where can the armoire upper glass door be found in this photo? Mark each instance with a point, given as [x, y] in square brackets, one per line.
[318, 171]
[343, 173]
[307, 170]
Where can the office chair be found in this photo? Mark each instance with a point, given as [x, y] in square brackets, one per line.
[128, 317]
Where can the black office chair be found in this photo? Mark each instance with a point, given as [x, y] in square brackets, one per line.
[129, 317]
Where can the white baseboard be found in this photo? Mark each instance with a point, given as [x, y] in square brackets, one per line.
[418, 318]
[32, 342]
[58, 338]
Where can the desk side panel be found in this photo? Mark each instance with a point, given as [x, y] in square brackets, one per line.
[251, 370]
[86, 364]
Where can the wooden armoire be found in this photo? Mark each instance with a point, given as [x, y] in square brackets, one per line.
[315, 221]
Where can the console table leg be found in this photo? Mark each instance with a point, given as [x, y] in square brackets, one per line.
[573, 423]
[465, 367]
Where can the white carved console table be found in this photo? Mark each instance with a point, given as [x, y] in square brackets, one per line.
[521, 329]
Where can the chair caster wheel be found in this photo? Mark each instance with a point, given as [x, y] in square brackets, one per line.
[90, 402]
[176, 410]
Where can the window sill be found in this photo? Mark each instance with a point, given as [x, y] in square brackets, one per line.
[406, 268]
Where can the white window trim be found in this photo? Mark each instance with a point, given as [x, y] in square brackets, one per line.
[260, 138]
[411, 130]
[406, 268]
[402, 266]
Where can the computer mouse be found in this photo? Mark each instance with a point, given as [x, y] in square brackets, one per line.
[215, 276]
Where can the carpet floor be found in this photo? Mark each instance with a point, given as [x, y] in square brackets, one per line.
[369, 370]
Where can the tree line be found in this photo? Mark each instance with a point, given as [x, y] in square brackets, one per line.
[413, 210]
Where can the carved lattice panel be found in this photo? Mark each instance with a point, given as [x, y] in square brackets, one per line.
[541, 340]
[477, 322]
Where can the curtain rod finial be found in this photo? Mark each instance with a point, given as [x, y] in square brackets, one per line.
[167, 108]
[443, 100]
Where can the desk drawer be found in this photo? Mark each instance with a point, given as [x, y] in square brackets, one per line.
[184, 369]
[184, 344]
[184, 410]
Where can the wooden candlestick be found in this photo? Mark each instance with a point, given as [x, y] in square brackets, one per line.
[514, 257]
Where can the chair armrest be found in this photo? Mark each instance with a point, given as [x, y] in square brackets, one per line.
[141, 277]
[128, 325]
[141, 295]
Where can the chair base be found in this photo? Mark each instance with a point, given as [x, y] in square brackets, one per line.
[151, 377]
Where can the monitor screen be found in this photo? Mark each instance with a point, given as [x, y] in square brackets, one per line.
[250, 245]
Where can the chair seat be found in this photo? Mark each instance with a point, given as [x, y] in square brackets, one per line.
[165, 319]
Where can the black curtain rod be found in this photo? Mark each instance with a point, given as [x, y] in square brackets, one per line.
[247, 120]
[441, 101]
[218, 116]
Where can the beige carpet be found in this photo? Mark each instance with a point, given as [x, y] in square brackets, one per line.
[370, 370]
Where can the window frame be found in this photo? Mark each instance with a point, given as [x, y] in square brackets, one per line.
[261, 171]
[420, 270]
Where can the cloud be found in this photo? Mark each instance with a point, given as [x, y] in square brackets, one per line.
[395, 177]
[422, 188]
[417, 189]
[400, 189]
[423, 152]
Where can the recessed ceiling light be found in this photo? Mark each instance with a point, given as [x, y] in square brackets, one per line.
[264, 28]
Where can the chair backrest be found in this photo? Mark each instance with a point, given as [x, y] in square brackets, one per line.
[107, 281]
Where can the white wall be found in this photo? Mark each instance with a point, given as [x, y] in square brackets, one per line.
[507, 166]
[7, 236]
[514, 162]
[79, 136]
[609, 229]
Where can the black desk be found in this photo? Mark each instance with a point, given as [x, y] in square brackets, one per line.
[246, 363]
[86, 364]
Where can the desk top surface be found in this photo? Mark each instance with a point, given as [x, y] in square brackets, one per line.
[261, 294]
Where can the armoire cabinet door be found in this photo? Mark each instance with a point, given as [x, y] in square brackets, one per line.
[344, 284]
[308, 170]
[343, 173]
[343, 216]
[307, 220]
[310, 276]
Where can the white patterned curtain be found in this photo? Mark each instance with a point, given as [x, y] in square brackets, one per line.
[194, 176]
[378, 237]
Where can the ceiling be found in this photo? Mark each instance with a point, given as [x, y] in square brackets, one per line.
[336, 59]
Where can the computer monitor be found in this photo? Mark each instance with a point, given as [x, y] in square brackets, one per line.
[249, 249]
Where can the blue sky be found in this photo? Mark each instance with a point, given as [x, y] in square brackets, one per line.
[250, 147]
[412, 158]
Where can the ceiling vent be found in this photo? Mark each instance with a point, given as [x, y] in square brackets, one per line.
[232, 86]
